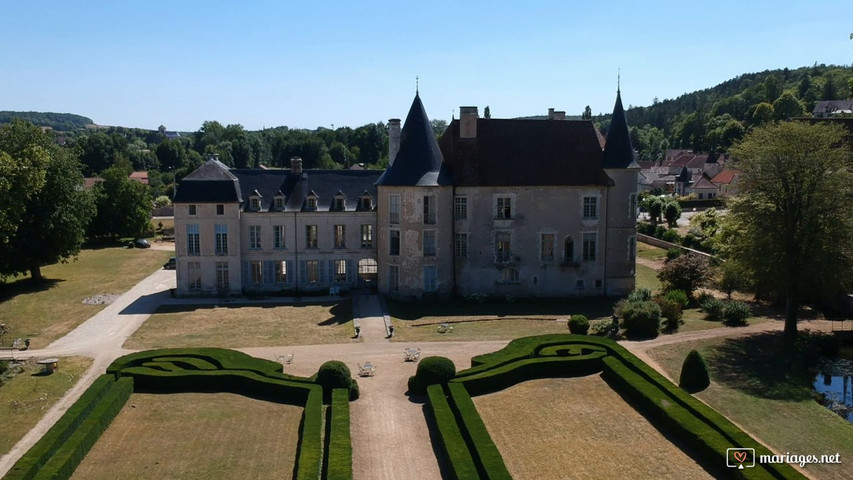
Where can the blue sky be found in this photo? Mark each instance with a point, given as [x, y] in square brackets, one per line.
[323, 63]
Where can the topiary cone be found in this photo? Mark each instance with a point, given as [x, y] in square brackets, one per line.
[694, 373]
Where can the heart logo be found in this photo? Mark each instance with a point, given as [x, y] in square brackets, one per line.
[740, 456]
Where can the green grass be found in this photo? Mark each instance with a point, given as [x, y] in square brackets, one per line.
[26, 397]
[767, 393]
[647, 277]
[46, 312]
[650, 252]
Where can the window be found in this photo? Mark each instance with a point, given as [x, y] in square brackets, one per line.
[509, 275]
[340, 236]
[590, 207]
[312, 203]
[368, 266]
[221, 239]
[589, 247]
[279, 203]
[367, 236]
[546, 247]
[701, 195]
[193, 247]
[598, 283]
[310, 236]
[579, 284]
[429, 209]
[281, 272]
[460, 208]
[394, 244]
[460, 244]
[569, 250]
[632, 248]
[255, 203]
[222, 276]
[632, 205]
[340, 271]
[312, 271]
[430, 278]
[194, 270]
[254, 237]
[365, 203]
[429, 243]
[394, 209]
[220, 209]
[191, 209]
[278, 236]
[504, 207]
[339, 203]
[256, 272]
[393, 277]
[503, 246]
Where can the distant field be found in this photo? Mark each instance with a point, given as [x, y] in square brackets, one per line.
[196, 436]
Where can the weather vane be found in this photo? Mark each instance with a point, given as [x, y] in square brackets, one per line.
[417, 83]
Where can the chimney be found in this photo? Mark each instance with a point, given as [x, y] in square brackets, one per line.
[213, 156]
[550, 114]
[296, 165]
[468, 122]
[393, 139]
[556, 115]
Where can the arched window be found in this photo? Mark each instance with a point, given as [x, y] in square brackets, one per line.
[569, 250]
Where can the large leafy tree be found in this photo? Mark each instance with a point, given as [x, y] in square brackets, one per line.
[790, 230]
[52, 209]
[123, 205]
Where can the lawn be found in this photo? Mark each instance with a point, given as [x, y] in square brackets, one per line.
[416, 322]
[578, 425]
[647, 277]
[768, 394]
[48, 311]
[650, 252]
[25, 397]
[196, 436]
[236, 326]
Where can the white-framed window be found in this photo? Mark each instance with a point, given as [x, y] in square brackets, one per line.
[278, 238]
[194, 274]
[312, 271]
[394, 209]
[632, 205]
[394, 277]
[256, 272]
[367, 236]
[340, 271]
[279, 202]
[429, 243]
[546, 247]
[340, 236]
[429, 209]
[368, 266]
[254, 237]
[191, 210]
[221, 238]
[281, 272]
[222, 283]
[509, 276]
[430, 278]
[460, 244]
[589, 246]
[632, 248]
[590, 207]
[255, 203]
[220, 209]
[460, 207]
[503, 246]
[503, 207]
[193, 242]
[394, 243]
[310, 236]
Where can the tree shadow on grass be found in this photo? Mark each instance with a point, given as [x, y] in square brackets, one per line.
[25, 286]
[592, 307]
[341, 314]
[764, 365]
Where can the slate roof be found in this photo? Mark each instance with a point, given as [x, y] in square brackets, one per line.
[323, 183]
[703, 182]
[525, 152]
[210, 183]
[618, 151]
[418, 161]
[684, 176]
[832, 107]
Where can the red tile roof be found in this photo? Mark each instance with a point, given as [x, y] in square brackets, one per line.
[726, 176]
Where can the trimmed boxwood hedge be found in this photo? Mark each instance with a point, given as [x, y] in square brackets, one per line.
[309, 459]
[506, 376]
[339, 446]
[461, 461]
[486, 453]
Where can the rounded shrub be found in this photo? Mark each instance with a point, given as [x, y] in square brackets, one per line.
[694, 373]
[335, 374]
[659, 231]
[713, 308]
[431, 370]
[735, 314]
[673, 253]
[671, 312]
[641, 319]
[678, 296]
[578, 324]
[640, 295]
[671, 236]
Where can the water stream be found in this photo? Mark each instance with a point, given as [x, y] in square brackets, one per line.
[835, 382]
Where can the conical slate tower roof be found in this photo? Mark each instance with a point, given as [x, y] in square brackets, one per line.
[618, 151]
[419, 161]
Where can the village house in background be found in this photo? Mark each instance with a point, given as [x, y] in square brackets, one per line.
[494, 207]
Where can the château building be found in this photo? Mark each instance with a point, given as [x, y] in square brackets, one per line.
[497, 207]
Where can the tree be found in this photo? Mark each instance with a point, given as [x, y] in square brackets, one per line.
[587, 113]
[790, 228]
[123, 205]
[686, 273]
[672, 212]
[487, 113]
[54, 210]
[787, 106]
[763, 113]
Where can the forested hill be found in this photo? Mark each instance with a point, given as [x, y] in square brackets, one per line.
[711, 120]
[57, 121]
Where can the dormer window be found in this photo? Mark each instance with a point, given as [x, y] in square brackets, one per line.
[311, 201]
[255, 201]
[340, 202]
[279, 202]
[365, 202]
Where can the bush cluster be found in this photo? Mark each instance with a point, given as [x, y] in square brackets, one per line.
[431, 370]
[641, 319]
[671, 311]
[335, 374]
[640, 295]
[735, 314]
[671, 236]
[578, 325]
[679, 297]
[694, 373]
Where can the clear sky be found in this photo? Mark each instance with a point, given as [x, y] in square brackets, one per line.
[320, 63]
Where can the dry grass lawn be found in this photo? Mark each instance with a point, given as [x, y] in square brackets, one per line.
[245, 326]
[26, 397]
[47, 312]
[201, 436]
[578, 428]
